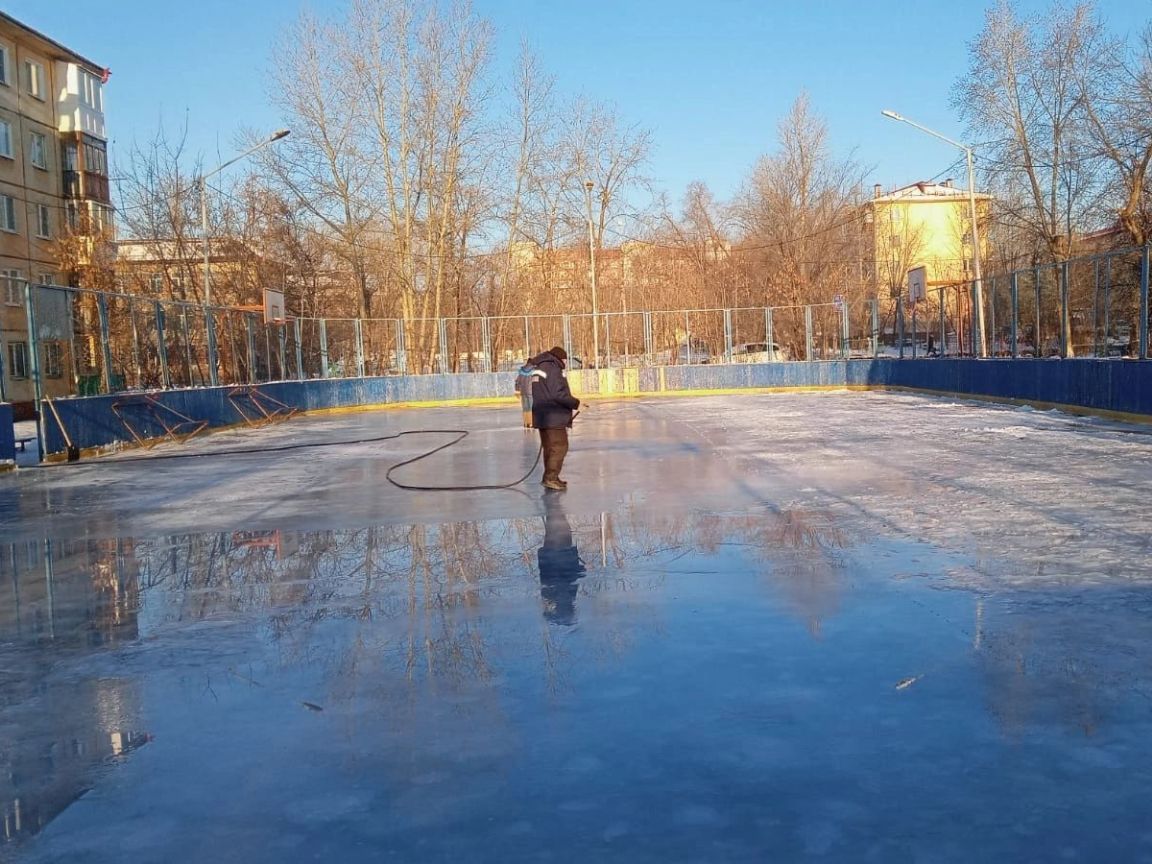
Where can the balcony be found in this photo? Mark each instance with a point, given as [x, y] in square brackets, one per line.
[84, 185]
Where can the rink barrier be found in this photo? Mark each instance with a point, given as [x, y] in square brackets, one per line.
[1121, 389]
[1112, 387]
[7, 438]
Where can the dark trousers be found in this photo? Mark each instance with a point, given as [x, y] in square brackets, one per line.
[555, 444]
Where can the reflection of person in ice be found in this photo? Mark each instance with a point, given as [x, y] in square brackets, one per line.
[560, 564]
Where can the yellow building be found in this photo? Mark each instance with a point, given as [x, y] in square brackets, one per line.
[923, 224]
[53, 187]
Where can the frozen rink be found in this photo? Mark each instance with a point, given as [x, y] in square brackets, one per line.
[828, 627]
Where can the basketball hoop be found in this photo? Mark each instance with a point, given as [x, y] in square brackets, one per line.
[273, 306]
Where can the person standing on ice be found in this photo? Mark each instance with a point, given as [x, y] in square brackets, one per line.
[552, 407]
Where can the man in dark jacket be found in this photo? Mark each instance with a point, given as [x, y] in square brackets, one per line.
[552, 407]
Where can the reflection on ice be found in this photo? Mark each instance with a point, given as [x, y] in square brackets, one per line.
[422, 690]
[559, 564]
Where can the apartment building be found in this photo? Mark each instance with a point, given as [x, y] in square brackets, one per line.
[53, 194]
[922, 224]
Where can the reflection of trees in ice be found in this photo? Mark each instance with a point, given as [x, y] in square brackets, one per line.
[419, 597]
[1058, 660]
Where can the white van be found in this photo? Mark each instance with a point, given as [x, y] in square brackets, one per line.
[758, 352]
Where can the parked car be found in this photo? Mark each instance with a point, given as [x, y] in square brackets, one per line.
[692, 353]
[759, 352]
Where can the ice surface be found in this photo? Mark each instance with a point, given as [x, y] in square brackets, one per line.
[834, 627]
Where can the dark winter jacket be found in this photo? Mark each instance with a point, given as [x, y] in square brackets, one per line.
[552, 401]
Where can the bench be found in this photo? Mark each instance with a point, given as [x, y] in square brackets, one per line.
[22, 443]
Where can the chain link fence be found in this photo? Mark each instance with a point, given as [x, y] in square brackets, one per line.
[58, 341]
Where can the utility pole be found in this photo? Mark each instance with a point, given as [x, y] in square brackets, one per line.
[588, 187]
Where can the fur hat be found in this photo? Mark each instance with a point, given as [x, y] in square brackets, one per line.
[558, 352]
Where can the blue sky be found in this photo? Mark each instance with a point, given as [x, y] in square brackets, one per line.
[710, 79]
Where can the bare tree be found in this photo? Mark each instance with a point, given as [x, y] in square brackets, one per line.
[1116, 95]
[1023, 91]
[799, 214]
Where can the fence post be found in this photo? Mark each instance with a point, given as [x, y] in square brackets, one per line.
[359, 348]
[807, 332]
[323, 347]
[105, 340]
[282, 337]
[528, 340]
[1066, 349]
[607, 340]
[251, 330]
[727, 335]
[187, 342]
[162, 344]
[486, 338]
[1036, 349]
[648, 334]
[687, 337]
[973, 338]
[768, 334]
[1107, 305]
[1143, 303]
[846, 331]
[1014, 336]
[991, 310]
[135, 343]
[213, 356]
[566, 324]
[1097, 341]
[943, 326]
[875, 301]
[298, 333]
[442, 335]
[401, 347]
[33, 346]
[915, 328]
[900, 323]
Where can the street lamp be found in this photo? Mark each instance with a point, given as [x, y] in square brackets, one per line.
[977, 281]
[275, 136]
[209, 325]
[588, 187]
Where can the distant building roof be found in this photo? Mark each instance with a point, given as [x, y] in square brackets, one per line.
[925, 190]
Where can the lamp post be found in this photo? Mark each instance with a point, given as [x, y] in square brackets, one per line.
[977, 281]
[275, 136]
[209, 324]
[588, 187]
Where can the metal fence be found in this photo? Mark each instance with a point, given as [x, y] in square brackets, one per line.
[75, 341]
[1093, 306]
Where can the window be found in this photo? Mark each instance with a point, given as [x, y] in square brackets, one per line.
[53, 357]
[93, 95]
[17, 359]
[156, 283]
[34, 75]
[6, 139]
[4, 74]
[100, 217]
[70, 157]
[43, 222]
[7, 213]
[38, 150]
[47, 278]
[95, 160]
[13, 289]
